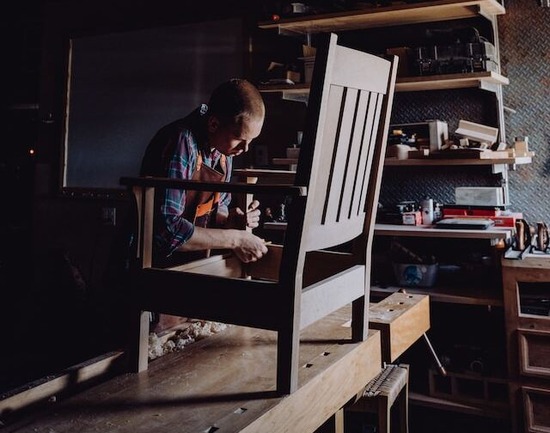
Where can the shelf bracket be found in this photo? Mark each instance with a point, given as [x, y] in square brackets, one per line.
[499, 168]
[490, 87]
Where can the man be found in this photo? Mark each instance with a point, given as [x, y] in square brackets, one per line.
[201, 147]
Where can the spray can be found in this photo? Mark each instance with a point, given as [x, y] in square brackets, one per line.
[427, 206]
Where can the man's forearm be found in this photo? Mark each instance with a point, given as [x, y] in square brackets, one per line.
[210, 238]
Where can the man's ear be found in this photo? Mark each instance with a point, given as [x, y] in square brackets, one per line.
[213, 124]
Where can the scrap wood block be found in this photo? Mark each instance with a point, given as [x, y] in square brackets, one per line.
[402, 319]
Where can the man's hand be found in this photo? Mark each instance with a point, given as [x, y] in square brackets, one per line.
[250, 248]
[237, 218]
[253, 215]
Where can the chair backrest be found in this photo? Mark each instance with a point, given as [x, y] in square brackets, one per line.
[344, 142]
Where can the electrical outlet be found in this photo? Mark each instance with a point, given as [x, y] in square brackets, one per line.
[108, 216]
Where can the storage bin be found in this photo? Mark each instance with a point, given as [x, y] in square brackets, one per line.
[415, 275]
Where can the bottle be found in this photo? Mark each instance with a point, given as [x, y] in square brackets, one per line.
[427, 211]
[438, 213]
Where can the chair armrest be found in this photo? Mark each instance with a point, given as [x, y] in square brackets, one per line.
[233, 187]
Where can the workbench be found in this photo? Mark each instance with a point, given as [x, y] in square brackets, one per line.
[224, 383]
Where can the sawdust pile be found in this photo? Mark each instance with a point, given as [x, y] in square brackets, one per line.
[196, 330]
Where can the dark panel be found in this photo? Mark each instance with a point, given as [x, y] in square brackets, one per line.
[125, 86]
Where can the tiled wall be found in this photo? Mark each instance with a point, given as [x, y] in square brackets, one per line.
[524, 38]
[525, 59]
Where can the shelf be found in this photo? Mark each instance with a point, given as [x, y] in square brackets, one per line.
[285, 161]
[486, 80]
[458, 161]
[483, 80]
[287, 88]
[432, 232]
[449, 295]
[496, 234]
[439, 403]
[396, 14]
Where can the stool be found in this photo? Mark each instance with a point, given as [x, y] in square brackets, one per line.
[379, 395]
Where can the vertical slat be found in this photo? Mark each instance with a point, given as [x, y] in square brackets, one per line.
[147, 230]
[372, 143]
[322, 160]
[138, 194]
[353, 188]
[366, 150]
[340, 155]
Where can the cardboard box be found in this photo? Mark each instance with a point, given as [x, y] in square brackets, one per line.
[479, 196]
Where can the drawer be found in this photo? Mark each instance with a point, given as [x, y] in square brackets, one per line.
[536, 403]
[534, 352]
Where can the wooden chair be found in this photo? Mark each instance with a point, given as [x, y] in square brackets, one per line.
[333, 202]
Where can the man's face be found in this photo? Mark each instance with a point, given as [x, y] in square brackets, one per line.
[232, 140]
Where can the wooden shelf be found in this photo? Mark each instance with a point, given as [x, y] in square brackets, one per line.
[396, 14]
[449, 295]
[432, 232]
[288, 88]
[456, 161]
[483, 80]
[440, 403]
[285, 161]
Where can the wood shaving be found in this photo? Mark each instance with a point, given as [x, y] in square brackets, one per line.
[194, 330]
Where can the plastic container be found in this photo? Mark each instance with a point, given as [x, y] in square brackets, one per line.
[415, 275]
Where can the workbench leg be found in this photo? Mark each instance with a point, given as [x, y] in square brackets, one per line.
[339, 421]
[384, 414]
[403, 402]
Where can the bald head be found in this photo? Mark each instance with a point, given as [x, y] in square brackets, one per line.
[236, 101]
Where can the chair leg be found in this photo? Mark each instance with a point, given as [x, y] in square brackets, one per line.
[288, 346]
[141, 350]
[404, 409]
[384, 415]
[359, 319]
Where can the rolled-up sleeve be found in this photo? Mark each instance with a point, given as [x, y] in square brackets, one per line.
[174, 229]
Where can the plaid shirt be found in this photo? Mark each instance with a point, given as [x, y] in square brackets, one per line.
[173, 153]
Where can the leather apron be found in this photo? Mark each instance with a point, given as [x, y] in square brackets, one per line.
[200, 206]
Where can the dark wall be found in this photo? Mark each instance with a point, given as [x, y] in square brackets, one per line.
[125, 85]
[62, 269]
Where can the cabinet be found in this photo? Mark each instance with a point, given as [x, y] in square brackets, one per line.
[474, 306]
[526, 286]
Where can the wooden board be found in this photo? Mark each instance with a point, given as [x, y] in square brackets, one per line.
[402, 319]
[224, 383]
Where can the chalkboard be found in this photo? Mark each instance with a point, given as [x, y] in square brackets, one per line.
[123, 87]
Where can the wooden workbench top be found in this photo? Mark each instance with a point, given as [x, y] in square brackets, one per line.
[224, 383]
